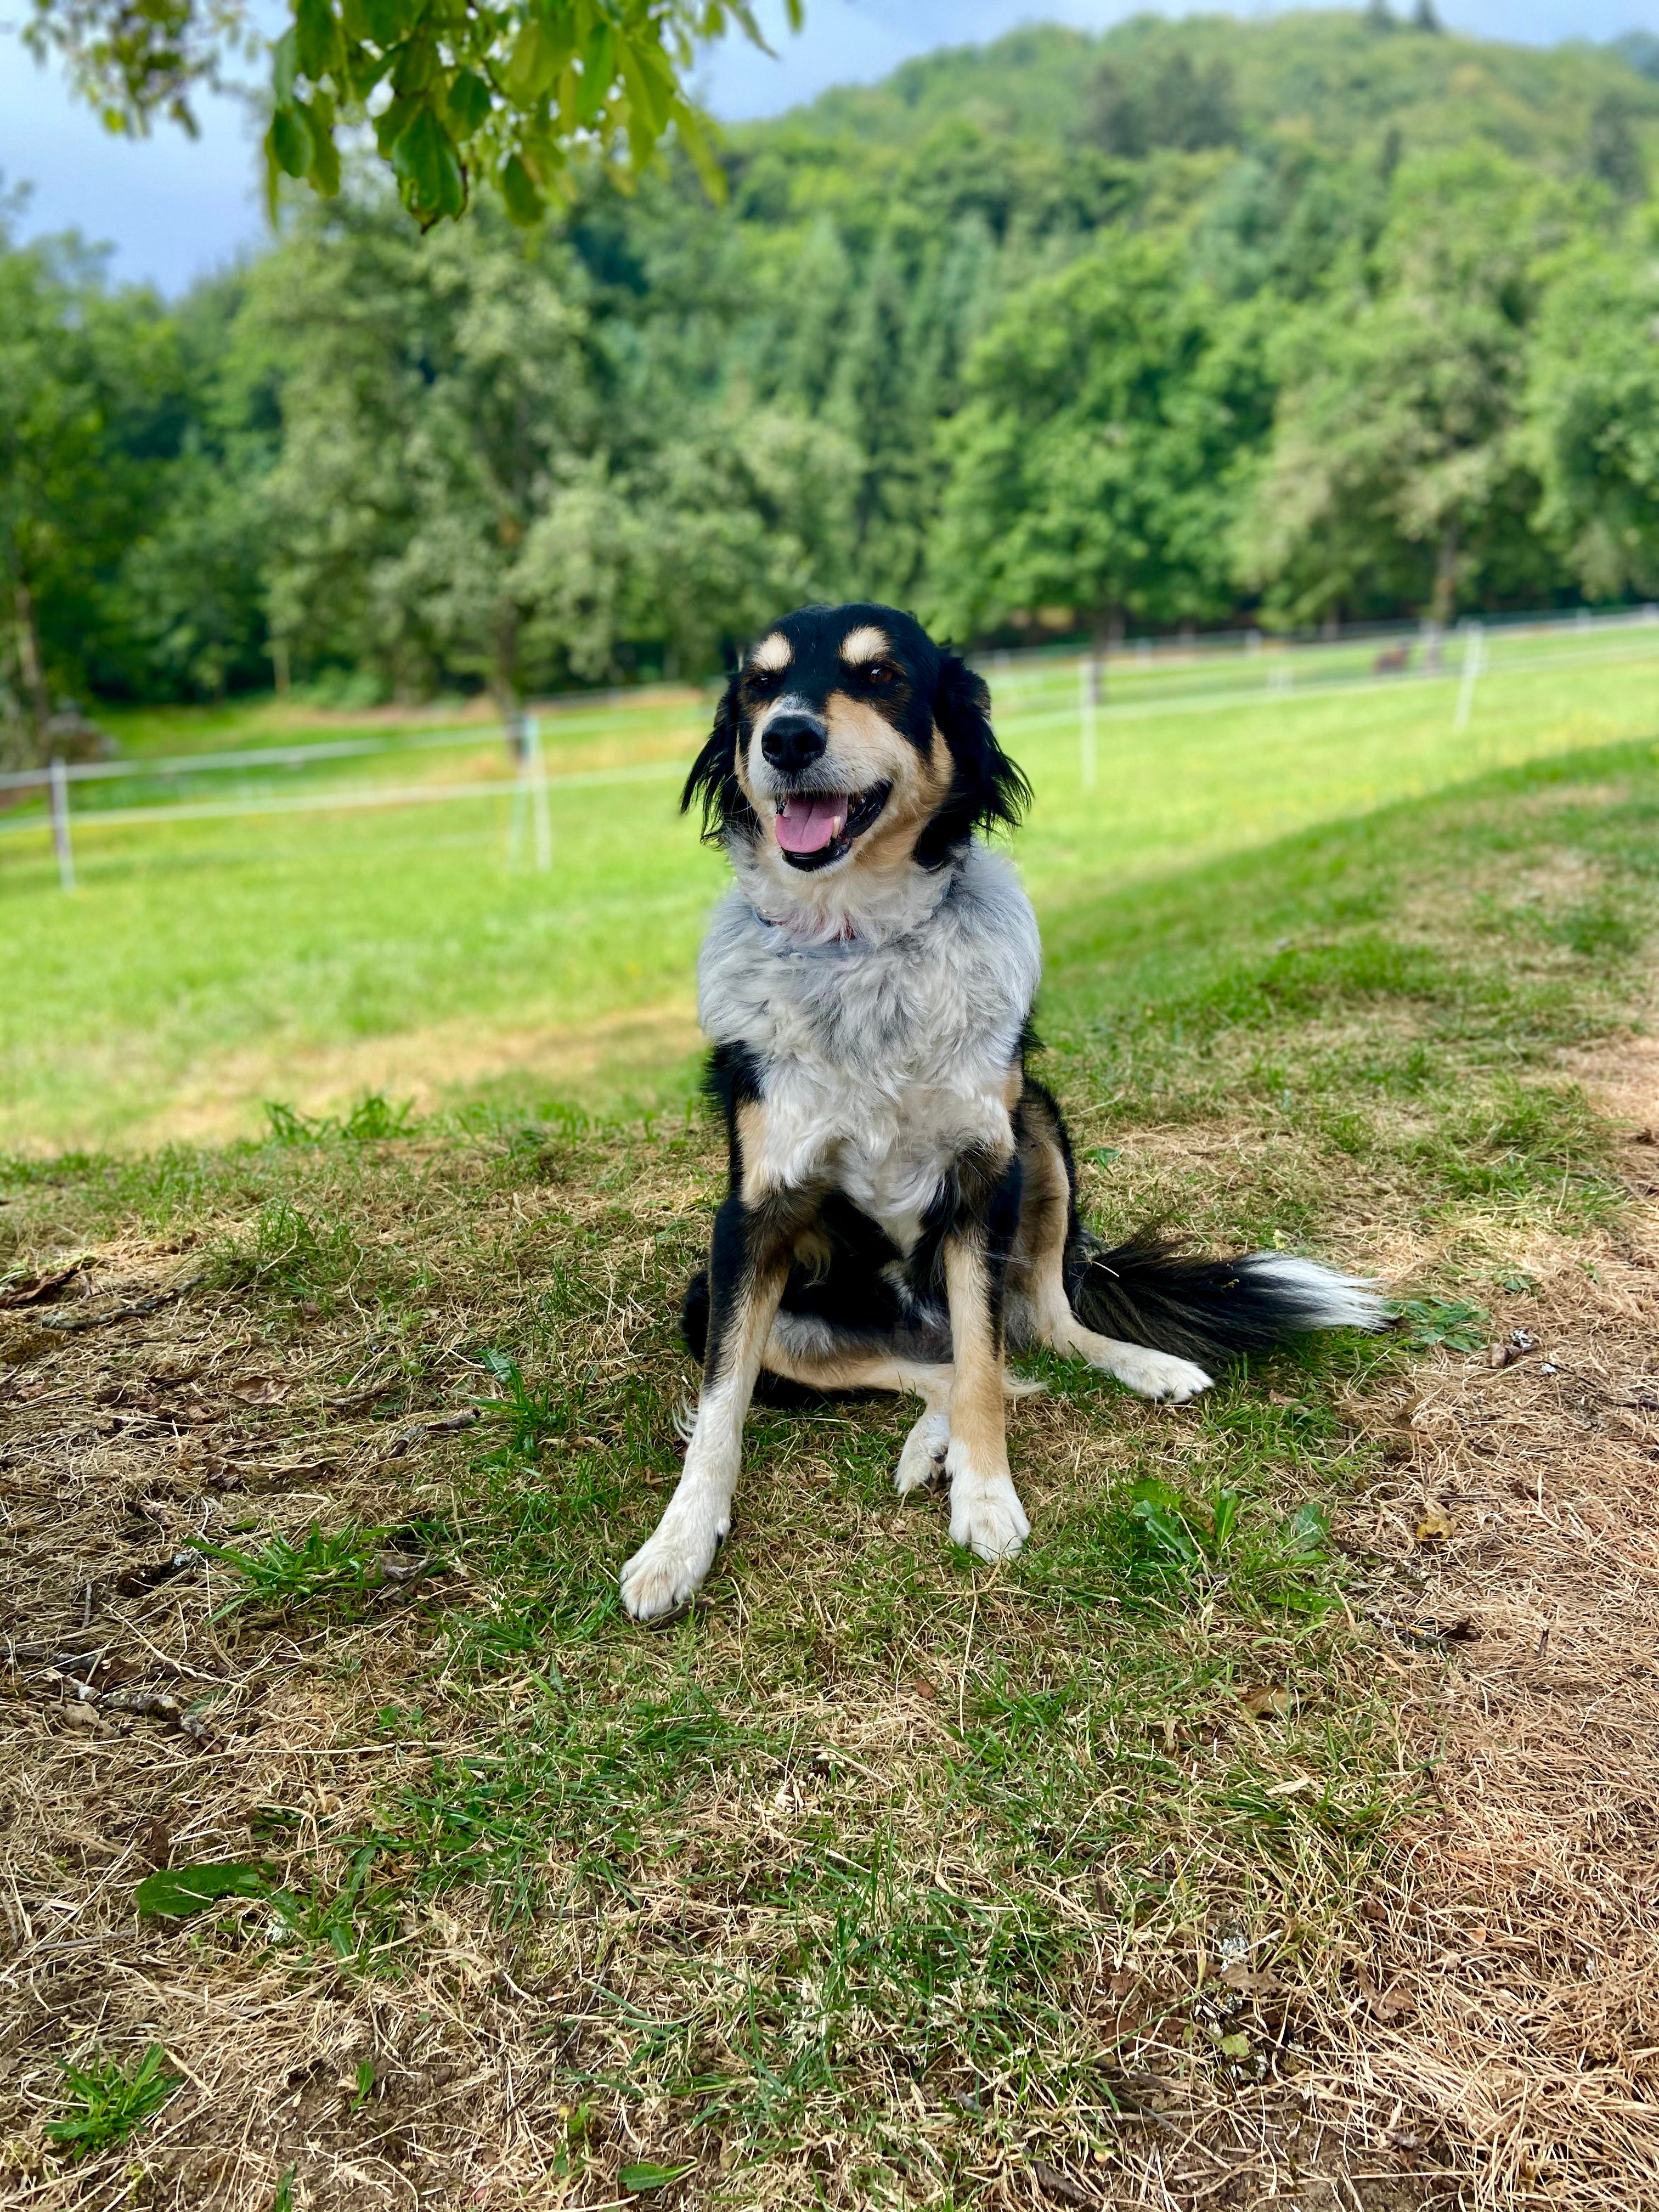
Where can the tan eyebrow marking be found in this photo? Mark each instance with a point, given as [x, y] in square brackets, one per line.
[865, 643]
[773, 651]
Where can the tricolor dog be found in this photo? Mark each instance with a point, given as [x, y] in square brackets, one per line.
[901, 1210]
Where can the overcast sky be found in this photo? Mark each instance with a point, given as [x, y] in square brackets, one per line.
[173, 209]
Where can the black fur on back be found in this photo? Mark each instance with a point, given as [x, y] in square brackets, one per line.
[1152, 1291]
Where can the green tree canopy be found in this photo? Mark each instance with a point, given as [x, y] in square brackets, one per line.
[1366, 335]
[1108, 412]
[1592, 418]
[1395, 471]
[84, 378]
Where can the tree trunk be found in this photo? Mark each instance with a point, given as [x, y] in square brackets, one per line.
[29, 665]
[1107, 639]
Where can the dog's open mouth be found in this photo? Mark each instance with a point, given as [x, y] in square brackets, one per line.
[817, 827]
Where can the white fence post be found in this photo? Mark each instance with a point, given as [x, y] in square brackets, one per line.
[1474, 656]
[1088, 748]
[524, 736]
[540, 818]
[58, 776]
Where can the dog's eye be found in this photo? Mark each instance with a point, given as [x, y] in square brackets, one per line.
[765, 679]
[879, 672]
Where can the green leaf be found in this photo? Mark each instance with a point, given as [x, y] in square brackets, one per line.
[598, 73]
[1168, 1538]
[177, 1892]
[1309, 1527]
[324, 170]
[318, 44]
[468, 103]
[1453, 1322]
[283, 66]
[641, 2179]
[1225, 1521]
[415, 66]
[388, 20]
[426, 163]
[539, 52]
[391, 124]
[524, 205]
[704, 159]
[1235, 2047]
[288, 140]
[650, 104]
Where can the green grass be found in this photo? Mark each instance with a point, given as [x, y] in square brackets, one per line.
[206, 967]
[876, 1863]
[105, 2102]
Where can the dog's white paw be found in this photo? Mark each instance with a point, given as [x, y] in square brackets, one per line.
[667, 1570]
[923, 1460]
[1159, 1374]
[987, 1516]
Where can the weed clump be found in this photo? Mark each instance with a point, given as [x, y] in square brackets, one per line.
[288, 1253]
[105, 2102]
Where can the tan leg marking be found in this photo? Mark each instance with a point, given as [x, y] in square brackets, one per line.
[1037, 1273]
[923, 1460]
[986, 1514]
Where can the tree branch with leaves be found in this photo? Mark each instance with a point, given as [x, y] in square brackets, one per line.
[458, 94]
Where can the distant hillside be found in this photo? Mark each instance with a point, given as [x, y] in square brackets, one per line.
[1324, 75]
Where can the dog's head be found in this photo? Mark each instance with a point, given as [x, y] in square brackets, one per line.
[847, 741]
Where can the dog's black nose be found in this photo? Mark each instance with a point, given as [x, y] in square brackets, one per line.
[793, 742]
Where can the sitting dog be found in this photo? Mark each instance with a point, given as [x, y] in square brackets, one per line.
[902, 1206]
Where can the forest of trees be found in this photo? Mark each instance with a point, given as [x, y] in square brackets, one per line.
[1329, 316]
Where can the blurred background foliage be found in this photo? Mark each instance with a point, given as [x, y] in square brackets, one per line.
[1332, 316]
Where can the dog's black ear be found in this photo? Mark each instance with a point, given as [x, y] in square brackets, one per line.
[712, 782]
[987, 787]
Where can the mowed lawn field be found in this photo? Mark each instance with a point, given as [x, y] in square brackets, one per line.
[1278, 1827]
[205, 966]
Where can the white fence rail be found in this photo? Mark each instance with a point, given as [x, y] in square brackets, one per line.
[1273, 669]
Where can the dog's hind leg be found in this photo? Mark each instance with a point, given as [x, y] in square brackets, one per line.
[803, 1351]
[1039, 1308]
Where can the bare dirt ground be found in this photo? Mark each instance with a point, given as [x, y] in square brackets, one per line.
[1510, 2005]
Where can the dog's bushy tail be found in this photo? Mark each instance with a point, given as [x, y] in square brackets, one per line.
[1152, 1291]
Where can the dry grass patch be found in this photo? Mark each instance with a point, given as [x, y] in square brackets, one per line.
[1277, 1828]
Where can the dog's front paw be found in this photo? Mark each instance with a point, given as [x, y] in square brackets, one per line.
[987, 1516]
[923, 1460]
[666, 1572]
[1162, 1377]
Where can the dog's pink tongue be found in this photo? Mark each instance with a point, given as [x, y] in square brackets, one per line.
[807, 825]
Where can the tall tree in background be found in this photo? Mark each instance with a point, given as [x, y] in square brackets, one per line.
[1395, 467]
[1592, 419]
[1109, 412]
[80, 373]
[437, 395]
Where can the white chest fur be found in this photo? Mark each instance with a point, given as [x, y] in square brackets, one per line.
[882, 1058]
